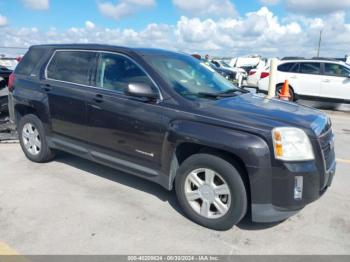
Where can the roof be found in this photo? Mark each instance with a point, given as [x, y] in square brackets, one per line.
[317, 60]
[141, 51]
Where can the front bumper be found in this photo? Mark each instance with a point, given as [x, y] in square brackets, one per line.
[274, 200]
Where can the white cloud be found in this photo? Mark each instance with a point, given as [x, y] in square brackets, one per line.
[222, 8]
[316, 7]
[3, 20]
[269, 2]
[259, 32]
[89, 25]
[37, 4]
[123, 8]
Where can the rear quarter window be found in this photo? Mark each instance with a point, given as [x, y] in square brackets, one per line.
[30, 61]
[71, 66]
[285, 67]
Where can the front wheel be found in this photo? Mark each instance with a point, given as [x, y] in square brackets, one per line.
[211, 191]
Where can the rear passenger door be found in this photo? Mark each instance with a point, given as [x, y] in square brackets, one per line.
[305, 78]
[67, 75]
[335, 82]
[125, 129]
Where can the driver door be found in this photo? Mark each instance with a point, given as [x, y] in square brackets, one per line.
[122, 126]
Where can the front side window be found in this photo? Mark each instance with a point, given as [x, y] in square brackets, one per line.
[71, 66]
[310, 68]
[188, 76]
[336, 70]
[115, 72]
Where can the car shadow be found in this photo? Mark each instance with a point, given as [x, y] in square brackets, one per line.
[247, 224]
[120, 177]
[326, 105]
[143, 185]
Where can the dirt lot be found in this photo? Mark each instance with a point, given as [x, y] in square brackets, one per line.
[72, 206]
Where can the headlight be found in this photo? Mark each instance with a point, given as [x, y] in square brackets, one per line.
[291, 144]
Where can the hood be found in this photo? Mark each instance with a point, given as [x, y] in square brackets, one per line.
[262, 114]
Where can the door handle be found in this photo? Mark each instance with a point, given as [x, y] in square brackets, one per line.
[98, 98]
[46, 87]
[293, 77]
[326, 81]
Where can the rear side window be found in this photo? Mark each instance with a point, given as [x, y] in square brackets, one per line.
[286, 67]
[30, 61]
[310, 68]
[71, 66]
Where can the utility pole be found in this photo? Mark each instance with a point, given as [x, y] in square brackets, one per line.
[319, 44]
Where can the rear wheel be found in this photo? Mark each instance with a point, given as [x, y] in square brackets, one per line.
[33, 139]
[291, 93]
[211, 191]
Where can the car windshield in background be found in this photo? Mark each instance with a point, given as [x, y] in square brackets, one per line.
[191, 77]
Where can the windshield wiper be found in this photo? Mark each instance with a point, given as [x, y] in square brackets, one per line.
[227, 93]
[231, 92]
[201, 94]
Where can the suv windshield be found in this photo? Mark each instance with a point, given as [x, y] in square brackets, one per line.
[192, 78]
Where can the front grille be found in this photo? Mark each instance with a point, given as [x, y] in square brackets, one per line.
[326, 141]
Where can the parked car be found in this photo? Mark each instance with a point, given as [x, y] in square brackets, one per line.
[169, 118]
[240, 74]
[255, 75]
[314, 79]
[4, 78]
[9, 62]
[228, 74]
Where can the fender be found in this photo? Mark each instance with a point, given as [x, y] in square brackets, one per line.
[29, 99]
[250, 148]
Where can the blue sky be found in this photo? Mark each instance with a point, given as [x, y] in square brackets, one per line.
[219, 27]
[64, 14]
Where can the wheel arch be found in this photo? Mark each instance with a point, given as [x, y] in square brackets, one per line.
[241, 149]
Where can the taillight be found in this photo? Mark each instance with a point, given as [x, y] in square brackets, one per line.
[252, 72]
[11, 82]
[264, 74]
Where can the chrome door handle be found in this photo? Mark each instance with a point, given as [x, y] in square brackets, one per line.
[326, 81]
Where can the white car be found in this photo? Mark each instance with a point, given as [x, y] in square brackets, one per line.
[313, 79]
[255, 75]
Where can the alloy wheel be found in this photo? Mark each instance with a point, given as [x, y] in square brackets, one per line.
[207, 193]
[31, 139]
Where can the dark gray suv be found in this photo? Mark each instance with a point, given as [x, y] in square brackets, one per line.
[171, 119]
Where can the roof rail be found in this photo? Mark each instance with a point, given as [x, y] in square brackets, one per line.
[293, 58]
[324, 58]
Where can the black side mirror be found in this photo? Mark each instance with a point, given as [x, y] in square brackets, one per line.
[141, 90]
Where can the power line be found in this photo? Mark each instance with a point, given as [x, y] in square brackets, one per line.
[13, 47]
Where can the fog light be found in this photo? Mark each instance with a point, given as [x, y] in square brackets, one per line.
[298, 187]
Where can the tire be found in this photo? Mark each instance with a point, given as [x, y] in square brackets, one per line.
[3, 105]
[291, 92]
[36, 135]
[235, 204]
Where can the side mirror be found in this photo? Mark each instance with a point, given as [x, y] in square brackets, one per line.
[348, 75]
[141, 90]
